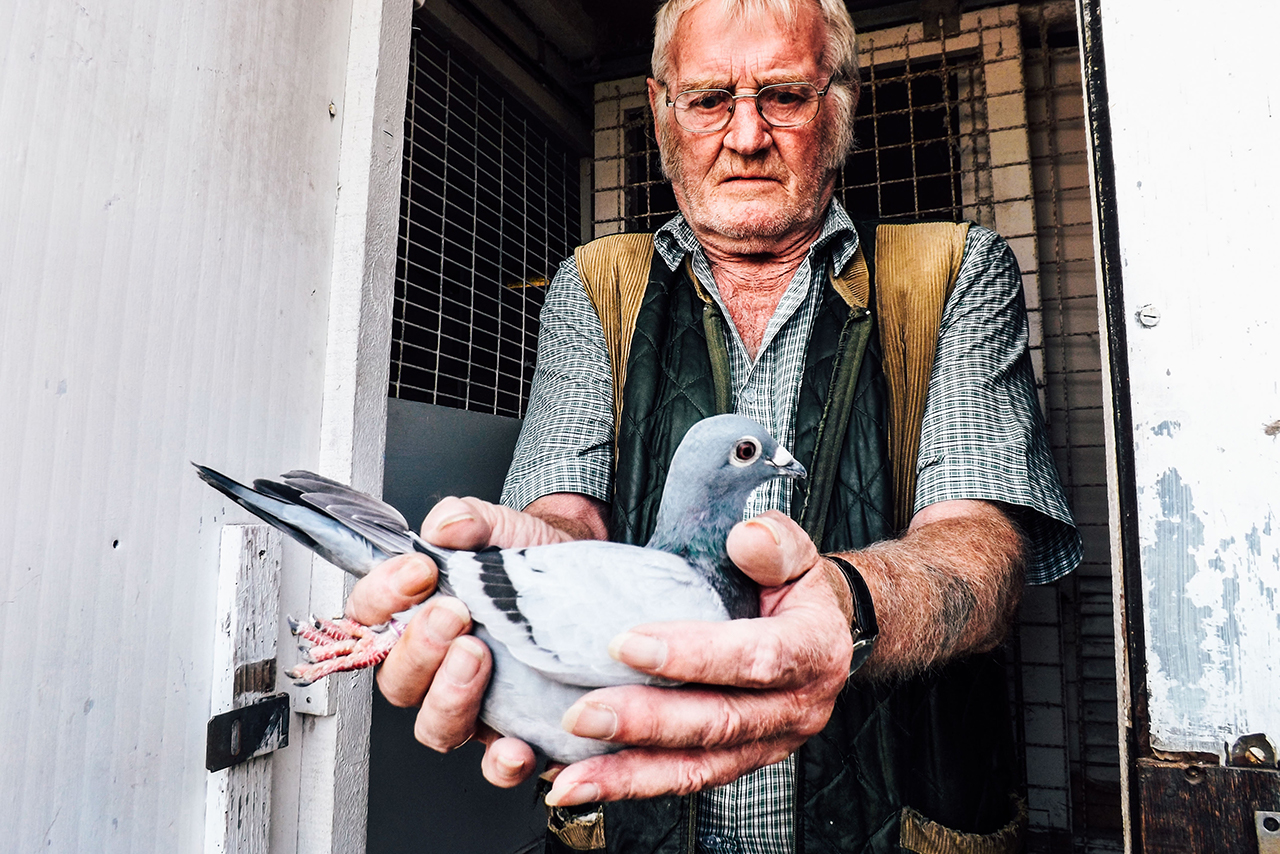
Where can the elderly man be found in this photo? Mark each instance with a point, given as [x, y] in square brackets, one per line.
[779, 744]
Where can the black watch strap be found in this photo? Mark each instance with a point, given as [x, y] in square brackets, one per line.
[865, 629]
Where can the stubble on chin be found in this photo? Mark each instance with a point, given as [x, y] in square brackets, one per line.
[751, 224]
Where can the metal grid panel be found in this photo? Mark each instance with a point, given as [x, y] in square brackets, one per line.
[910, 126]
[1082, 607]
[907, 162]
[489, 206]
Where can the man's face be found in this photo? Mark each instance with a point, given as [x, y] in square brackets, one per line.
[748, 182]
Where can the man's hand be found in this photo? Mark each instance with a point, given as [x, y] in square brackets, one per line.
[947, 588]
[780, 676]
[437, 664]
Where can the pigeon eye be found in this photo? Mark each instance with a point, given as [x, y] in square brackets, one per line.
[746, 452]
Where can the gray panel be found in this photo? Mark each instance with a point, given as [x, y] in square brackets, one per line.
[434, 451]
[419, 800]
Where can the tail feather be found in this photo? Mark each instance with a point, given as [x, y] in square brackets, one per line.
[288, 509]
[440, 556]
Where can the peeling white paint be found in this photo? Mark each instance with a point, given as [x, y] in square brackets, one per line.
[1198, 199]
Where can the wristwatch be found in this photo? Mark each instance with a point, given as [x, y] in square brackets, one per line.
[865, 629]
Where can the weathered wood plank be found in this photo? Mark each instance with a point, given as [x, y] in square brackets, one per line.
[238, 799]
[1190, 809]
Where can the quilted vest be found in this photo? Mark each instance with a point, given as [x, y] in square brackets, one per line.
[896, 762]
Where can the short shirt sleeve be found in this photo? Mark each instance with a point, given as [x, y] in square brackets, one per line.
[983, 433]
[566, 441]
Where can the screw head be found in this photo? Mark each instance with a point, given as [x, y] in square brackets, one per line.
[1148, 316]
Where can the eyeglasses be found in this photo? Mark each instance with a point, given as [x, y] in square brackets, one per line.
[781, 105]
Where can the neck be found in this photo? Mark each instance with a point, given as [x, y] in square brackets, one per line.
[696, 535]
[752, 285]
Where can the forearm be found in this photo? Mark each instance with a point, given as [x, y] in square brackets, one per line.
[581, 517]
[947, 588]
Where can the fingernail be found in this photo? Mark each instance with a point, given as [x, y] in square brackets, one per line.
[510, 767]
[447, 619]
[578, 793]
[453, 519]
[412, 578]
[550, 774]
[639, 651]
[462, 662]
[590, 720]
[768, 526]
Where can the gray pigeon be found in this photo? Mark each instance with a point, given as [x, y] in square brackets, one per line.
[548, 612]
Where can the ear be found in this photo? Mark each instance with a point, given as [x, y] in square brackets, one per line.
[655, 92]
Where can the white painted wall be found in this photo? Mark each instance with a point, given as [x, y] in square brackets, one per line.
[172, 238]
[1195, 107]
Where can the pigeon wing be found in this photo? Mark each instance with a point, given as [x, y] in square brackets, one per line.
[557, 607]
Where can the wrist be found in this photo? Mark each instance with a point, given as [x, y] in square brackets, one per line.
[863, 626]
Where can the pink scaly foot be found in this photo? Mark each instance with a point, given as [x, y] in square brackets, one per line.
[336, 646]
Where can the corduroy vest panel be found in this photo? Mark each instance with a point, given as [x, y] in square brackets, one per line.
[939, 743]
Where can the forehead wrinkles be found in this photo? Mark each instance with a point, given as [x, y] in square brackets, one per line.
[712, 52]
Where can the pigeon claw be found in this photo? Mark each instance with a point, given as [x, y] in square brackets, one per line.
[338, 646]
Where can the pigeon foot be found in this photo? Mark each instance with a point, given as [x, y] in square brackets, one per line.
[337, 646]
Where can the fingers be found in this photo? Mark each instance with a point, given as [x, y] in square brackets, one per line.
[771, 549]
[393, 586]
[645, 773]
[782, 672]
[507, 762]
[451, 708]
[436, 664]
[804, 635]
[741, 653]
[459, 523]
[469, 523]
[412, 664]
[700, 718]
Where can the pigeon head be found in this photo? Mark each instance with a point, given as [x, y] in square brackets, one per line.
[713, 472]
[723, 458]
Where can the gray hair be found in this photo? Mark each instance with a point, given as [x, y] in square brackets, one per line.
[839, 58]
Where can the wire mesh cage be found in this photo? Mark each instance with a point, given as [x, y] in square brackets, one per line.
[915, 124]
[489, 207]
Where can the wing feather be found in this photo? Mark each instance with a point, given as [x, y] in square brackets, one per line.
[557, 607]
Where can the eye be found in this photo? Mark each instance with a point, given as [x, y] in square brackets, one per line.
[707, 100]
[745, 452]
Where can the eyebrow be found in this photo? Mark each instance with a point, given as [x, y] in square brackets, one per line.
[709, 83]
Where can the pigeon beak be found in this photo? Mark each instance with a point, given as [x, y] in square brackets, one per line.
[786, 464]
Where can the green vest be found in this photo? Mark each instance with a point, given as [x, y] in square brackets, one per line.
[938, 745]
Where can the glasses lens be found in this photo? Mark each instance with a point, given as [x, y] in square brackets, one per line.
[703, 109]
[788, 104]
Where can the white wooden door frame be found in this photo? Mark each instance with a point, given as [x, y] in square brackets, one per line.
[332, 778]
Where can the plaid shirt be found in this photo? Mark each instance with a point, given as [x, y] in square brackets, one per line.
[981, 436]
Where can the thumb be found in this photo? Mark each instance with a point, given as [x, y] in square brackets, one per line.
[459, 523]
[771, 549]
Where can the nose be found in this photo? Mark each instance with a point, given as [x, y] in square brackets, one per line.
[747, 133]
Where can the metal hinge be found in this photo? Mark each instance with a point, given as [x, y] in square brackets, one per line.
[1268, 824]
[241, 734]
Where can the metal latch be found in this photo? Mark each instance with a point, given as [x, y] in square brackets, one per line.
[241, 734]
[1268, 824]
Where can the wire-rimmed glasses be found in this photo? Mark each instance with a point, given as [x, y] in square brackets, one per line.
[781, 105]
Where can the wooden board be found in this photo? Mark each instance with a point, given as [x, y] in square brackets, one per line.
[238, 799]
[1188, 809]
